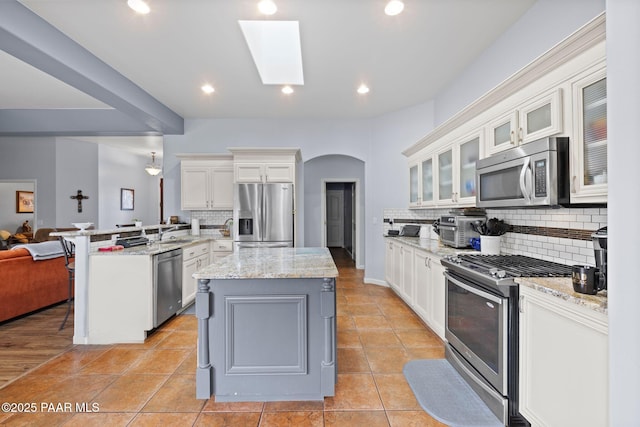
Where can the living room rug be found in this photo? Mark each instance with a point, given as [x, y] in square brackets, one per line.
[446, 396]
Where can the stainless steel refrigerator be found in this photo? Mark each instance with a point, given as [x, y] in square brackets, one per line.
[263, 215]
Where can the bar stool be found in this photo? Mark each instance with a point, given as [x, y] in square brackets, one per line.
[69, 262]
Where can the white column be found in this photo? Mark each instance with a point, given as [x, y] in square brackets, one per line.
[81, 294]
[623, 93]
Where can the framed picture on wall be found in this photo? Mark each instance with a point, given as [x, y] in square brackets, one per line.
[24, 202]
[126, 199]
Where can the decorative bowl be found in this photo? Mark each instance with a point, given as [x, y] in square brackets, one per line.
[82, 225]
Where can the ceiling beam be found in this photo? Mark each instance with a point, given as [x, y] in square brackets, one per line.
[28, 37]
[70, 122]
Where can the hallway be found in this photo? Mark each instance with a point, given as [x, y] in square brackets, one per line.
[154, 383]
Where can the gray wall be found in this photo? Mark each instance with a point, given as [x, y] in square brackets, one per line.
[61, 166]
[9, 219]
[544, 25]
[76, 169]
[623, 104]
[33, 159]
[117, 171]
[331, 167]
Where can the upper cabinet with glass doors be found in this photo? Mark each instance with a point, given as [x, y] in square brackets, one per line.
[456, 171]
[589, 145]
[421, 182]
[535, 119]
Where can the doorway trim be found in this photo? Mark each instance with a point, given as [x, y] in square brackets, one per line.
[356, 208]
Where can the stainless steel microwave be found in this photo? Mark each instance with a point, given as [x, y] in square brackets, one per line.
[533, 174]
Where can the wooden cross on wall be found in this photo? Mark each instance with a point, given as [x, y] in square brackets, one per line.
[79, 197]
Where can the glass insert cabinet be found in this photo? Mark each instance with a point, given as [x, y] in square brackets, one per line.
[589, 162]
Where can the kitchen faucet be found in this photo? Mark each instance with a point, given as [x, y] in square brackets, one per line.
[161, 232]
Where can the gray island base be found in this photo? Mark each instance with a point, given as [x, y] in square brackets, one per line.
[267, 326]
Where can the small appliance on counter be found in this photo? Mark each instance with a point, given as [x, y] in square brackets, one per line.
[129, 242]
[410, 230]
[587, 279]
[457, 231]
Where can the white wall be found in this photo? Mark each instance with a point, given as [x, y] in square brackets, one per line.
[623, 104]
[9, 219]
[543, 26]
[118, 169]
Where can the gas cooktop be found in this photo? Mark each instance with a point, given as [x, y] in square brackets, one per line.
[500, 270]
[519, 265]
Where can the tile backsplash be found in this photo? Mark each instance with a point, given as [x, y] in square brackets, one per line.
[561, 235]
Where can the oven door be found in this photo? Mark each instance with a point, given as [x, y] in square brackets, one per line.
[476, 326]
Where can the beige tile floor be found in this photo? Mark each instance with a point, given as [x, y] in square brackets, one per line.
[153, 383]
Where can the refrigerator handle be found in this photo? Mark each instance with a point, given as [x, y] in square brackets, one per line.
[263, 211]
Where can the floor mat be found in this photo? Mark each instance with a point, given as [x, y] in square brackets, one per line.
[446, 396]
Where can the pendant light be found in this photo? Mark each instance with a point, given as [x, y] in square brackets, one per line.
[153, 169]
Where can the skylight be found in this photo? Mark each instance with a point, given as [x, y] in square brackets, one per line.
[275, 48]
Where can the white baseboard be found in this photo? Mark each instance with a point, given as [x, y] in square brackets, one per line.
[376, 282]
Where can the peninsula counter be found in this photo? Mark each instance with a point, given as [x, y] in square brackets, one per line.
[267, 326]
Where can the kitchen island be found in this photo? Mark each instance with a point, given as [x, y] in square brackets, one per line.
[267, 326]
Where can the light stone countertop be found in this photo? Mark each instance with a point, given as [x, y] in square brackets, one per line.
[430, 245]
[562, 287]
[155, 248]
[272, 263]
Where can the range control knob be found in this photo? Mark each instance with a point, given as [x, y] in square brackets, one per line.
[500, 274]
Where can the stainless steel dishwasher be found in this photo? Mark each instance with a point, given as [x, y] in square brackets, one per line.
[167, 285]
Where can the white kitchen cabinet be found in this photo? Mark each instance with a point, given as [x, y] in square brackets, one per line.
[207, 183]
[221, 248]
[265, 164]
[264, 172]
[456, 171]
[429, 285]
[194, 257]
[563, 362]
[421, 182]
[589, 144]
[406, 276]
[537, 118]
[388, 261]
[396, 275]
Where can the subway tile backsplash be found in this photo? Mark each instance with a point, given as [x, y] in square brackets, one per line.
[561, 235]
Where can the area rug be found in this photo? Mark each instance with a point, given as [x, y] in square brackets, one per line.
[446, 396]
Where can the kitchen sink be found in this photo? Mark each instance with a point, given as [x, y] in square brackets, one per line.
[174, 241]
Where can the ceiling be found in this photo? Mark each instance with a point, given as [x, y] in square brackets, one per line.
[182, 44]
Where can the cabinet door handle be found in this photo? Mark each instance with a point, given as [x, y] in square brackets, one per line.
[512, 138]
[520, 135]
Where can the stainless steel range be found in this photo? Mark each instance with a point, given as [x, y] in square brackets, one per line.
[482, 323]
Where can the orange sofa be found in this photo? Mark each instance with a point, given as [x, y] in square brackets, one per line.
[27, 285]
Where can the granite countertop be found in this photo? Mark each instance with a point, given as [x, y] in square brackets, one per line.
[562, 287]
[155, 248]
[272, 263]
[430, 245]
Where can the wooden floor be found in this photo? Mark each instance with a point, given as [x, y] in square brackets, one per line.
[30, 341]
[154, 383]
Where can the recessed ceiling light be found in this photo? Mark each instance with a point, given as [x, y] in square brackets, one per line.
[287, 90]
[267, 7]
[394, 7]
[140, 6]
[363, 89]
[208, 89]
